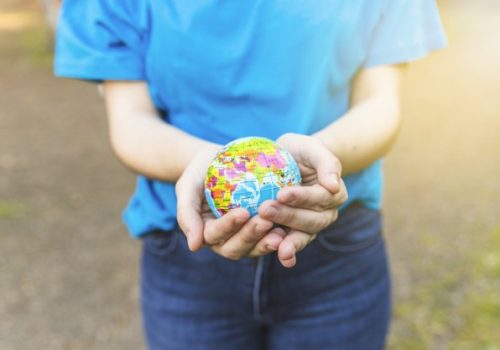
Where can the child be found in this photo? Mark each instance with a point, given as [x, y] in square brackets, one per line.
[183, 77]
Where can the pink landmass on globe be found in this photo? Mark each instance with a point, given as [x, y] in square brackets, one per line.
[240, 166]
[269, 161]
[231, 173]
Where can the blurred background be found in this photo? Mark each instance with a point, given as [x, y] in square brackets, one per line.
[68, 270]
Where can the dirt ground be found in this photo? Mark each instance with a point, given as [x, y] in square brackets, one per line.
[68, 271]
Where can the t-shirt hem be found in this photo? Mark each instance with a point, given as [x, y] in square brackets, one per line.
[404, 55]
[98, 72]
[139, 226]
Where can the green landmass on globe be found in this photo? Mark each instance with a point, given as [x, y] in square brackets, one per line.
[246, 172]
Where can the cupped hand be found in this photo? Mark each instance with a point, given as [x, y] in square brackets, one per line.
[307, 209]
[234, 235]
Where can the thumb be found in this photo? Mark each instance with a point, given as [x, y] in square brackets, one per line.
[327, 166]
[189, 203]
[311, 152]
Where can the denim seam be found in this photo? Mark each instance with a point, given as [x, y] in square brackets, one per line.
[257, 288]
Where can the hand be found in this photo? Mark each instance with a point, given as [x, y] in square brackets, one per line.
[235, 235]
[307, 209]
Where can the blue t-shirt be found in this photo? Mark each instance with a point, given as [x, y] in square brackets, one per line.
[224, 69]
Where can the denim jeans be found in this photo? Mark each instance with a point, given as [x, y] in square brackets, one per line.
[336, 297]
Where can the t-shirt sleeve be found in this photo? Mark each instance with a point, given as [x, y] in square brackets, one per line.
[101, 40]
[407, 30]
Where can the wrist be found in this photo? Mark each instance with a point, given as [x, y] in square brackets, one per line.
[328, 141]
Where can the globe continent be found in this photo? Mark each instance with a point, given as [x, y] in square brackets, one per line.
[247, 172]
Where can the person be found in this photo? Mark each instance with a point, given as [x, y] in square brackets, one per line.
[182, 78]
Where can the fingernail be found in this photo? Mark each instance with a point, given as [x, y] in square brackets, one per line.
[260, 228]
[189, 239]
[290, 198]
[336, 178]
[271, 211]
[239, 221]
[270, 247]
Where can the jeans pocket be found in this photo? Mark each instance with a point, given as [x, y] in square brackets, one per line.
[160, 243]
[356, 229]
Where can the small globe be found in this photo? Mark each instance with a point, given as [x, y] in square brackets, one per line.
[247, 172]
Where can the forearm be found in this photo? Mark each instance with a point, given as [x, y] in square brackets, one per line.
[362, 135]
[369, 128]
[142, 140]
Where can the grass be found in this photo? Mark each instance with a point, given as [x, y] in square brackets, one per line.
[11, 210]
[25, 35]
[481, 309]
[457, 305]
[38, 45]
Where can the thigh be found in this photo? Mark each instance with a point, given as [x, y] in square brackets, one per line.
[194, 300]
[339, 296]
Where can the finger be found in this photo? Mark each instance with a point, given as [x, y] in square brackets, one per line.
[221, 229]
[293, 243]
[242, 242]
[305, 220]
[314, 197]
[327, 166]
[269, 243]
[189, 217]
[312, 153]
[342, 195]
